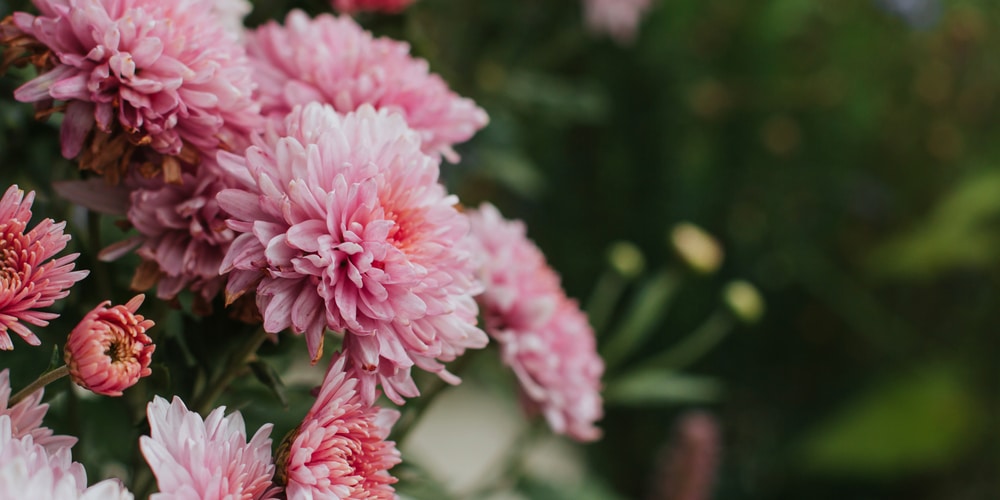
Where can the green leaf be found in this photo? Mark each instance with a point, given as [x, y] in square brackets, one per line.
[658, 386]
[268, 376]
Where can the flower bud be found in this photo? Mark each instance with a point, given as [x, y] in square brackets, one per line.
[698, 249]
[109, 350]
[626, 259]
[744, 301]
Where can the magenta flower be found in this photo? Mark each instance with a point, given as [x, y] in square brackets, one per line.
[333, 60]
[109, 350]
[26, 417]
[343, 225]
[387, 6]
[29, 470]
[210, 458]
[543, 336]
[340, 449]
[617, 18]
[159, 73]
[28, 279]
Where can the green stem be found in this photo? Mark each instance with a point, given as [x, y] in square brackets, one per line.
[237, 362]
[42, 381]
[102, 278]
[648, 308]
[603, 298]
[695, 345]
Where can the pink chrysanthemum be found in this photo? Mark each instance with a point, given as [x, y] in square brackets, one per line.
[211, 458]
[543, 335]
[340, 450]
[616, 18]
[28, 279]
[343, 225]
[334, 61]
[28, 470]
[159, 73]
[388, 6]
[26, 417]
[109, 350]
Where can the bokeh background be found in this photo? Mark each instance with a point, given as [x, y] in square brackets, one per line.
[844, 154]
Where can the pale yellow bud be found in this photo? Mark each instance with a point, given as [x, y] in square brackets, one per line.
[698, 249]
[744, 301]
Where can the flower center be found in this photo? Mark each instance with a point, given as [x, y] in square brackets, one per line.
[11, 258]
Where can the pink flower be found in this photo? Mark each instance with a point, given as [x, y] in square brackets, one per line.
[334, 61]
[343, 225]
[388, 6]
[28, 279]
[617, 18]
[159, 73]
[28, 470]
[109, 350]
[26, 417]
[211, 458]
[340, 449]
[543, 335]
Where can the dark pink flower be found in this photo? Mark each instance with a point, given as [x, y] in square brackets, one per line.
[28, 279]
[109, 350]
[333, 60]
[343, 225]
[388, 6]
[544, 336]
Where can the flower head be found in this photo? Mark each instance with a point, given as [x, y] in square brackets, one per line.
[28, 279]
[343, 225]
[210, 458]
[388, 6]
[109, 350]
[163, 76]
[617, 18]
[26, 417]
[333, 60]
[340, 449]
[543, 335]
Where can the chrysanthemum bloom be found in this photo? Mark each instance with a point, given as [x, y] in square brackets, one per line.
[617, 18]
[387, 6]
[28, 279]
[340, 449]
[26, 417]
[343, 225]
[211, 458]
[28, 470]
[109, 350]
[335, 61]
[543, 336]
[163, 76]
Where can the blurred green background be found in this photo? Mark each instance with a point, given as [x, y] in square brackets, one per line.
[845, 155]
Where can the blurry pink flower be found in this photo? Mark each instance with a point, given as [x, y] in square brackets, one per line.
[28, 279]
[26, 417]
[343, 225]
[159, 73]
[109, 350]
[340, 449]
[543, 335]
[616, 18]
[388, 6]
[28, 470]
[211, 458]
[333, 60]
[687, 468]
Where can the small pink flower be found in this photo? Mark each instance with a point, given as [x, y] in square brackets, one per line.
[340, 449]
[109, 350]
[387, 6]
[343, 225]
[28, 279]
[333, 60]
[617, 18]
[26, 417]
[210, 458]
[543, 335]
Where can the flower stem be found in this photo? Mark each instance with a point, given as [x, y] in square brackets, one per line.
[239, 359]
[695, 345]
[42, 381]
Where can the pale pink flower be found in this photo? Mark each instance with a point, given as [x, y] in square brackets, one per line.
[343, 225]
[543, 336]
[26, 417]
[28, 279]
[617, 18]
[388, 6]
[109, 351]
[335, 61]
[28, 470]
[340, 449]
[210, 458]
[161, 73]
[687, 468]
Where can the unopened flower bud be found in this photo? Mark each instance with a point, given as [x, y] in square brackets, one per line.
[626, 259]
[698, 249]
[109, 350]
[744, 301]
